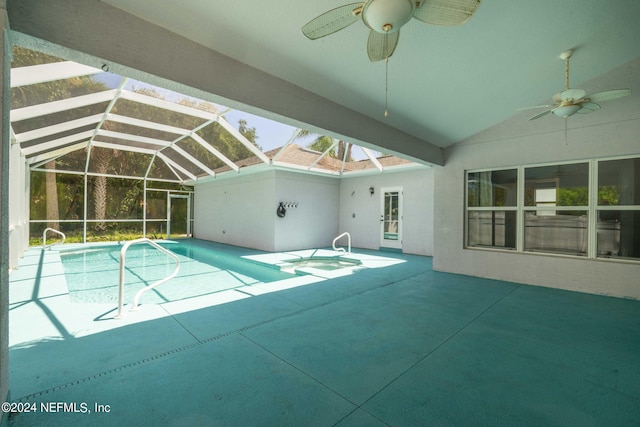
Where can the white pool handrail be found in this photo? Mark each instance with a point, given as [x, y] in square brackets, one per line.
[136, 299]
[348, 242]
[44, 236]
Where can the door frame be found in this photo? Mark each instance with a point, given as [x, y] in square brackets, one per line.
[388, 243]
[178, 196]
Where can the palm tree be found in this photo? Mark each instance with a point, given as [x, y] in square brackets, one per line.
[322, 143]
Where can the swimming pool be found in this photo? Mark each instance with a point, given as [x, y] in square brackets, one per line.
[92, 272]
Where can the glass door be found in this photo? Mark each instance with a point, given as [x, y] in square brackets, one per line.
[391, 218]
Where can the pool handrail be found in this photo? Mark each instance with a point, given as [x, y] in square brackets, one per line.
[136, 299]
[44, 236]
[348, 242]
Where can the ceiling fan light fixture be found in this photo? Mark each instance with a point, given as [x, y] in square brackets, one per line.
[387, 16]
[566, 110]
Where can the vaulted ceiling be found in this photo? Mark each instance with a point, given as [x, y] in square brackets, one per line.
[444, 84]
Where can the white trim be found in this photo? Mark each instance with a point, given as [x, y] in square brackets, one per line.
[242, 139]
[174, 164]
[63, 105]
[324, 153]
[57, 142]
[147, 124]
[123, 147]
[167, 105]
[33, 74]
[193, 160]
[134, 138]
[197, 138]
[58, 128]
[373, 159]
[387, 243]
[50, 155]
[293, 137]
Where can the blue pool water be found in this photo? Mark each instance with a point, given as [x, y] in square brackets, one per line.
[92, 273]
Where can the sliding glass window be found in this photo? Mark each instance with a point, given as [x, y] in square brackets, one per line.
[618, 210]
[492, 209]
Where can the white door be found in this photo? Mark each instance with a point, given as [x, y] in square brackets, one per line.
[391, 218]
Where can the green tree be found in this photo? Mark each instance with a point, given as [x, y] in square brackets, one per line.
[24, 96]
[58, 195]
[322, 143]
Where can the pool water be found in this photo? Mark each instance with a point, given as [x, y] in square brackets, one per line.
[92, 273]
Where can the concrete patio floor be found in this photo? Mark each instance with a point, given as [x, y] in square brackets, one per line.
[401, 345]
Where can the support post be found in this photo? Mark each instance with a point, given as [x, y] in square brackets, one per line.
[5, 85]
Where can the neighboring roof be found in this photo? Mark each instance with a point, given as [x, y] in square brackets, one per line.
[80, 116]
[297, 157]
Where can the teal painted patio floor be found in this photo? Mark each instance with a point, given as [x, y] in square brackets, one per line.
[401, 345]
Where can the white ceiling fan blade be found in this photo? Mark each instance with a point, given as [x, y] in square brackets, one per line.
[381, 46]
[535, 106]
[537, 116]
[588, 107]
[332, 21]
[446, 12]
[572, 94]
[609, 94]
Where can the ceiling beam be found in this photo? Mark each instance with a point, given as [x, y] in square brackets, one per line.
[58, 128]
[242, 139]
[168, 105]
[38, 110]
[53, 154]
[55, 143]
[197, 138]
[174, 164]
[93, 33]
[23, 76]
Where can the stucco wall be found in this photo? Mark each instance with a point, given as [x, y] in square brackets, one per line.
[242, 210]
[314, 223]
[360, 211]
[235, 211]
[612, 131]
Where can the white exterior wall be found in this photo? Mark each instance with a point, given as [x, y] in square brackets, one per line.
[314, 223]
[365, 226]
[612, 131]
[242, 210]
[237, 211]
[18, 206]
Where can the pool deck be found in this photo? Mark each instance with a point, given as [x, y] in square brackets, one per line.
[401, 345]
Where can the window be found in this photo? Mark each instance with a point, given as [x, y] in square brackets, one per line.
[589, 209]
[491, 208]
[556, 200]
[618, 210]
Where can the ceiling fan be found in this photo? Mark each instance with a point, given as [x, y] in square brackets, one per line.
[572, 101]
[385, 18]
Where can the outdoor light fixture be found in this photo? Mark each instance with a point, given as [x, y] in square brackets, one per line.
[372, 190]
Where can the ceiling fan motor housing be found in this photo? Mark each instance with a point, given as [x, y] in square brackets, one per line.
[387, 16]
